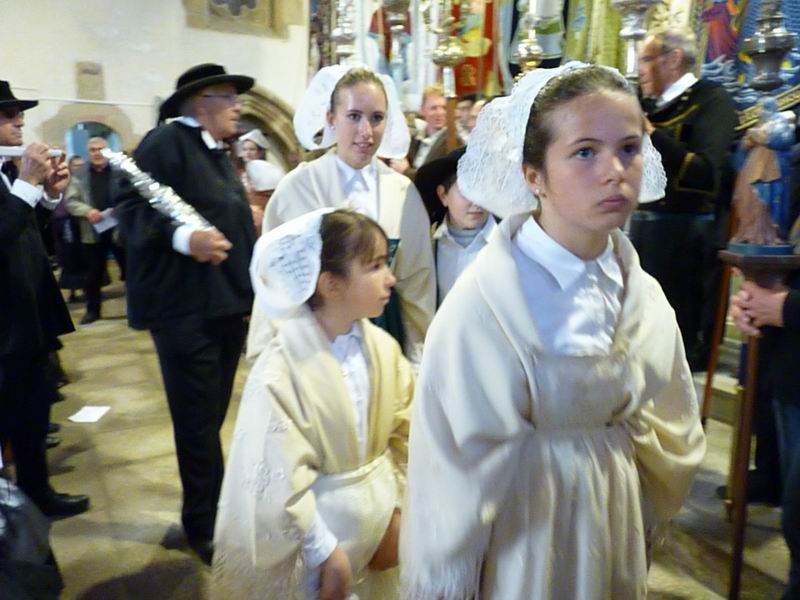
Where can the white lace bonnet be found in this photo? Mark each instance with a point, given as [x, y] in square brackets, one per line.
[490, 172]
[286, 263]
[311, 113]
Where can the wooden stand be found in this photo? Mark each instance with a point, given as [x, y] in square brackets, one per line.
[766, 271]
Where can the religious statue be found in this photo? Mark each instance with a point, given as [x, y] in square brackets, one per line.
[761, 194]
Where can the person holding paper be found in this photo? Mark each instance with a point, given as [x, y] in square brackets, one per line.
[32, 310]
[90, 198]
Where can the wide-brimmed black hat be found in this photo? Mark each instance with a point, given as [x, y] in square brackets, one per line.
[197, 78]
[7, 98]
[430, 175]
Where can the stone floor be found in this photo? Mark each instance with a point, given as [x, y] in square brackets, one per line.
[129, 546]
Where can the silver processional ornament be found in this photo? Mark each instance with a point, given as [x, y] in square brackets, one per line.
[161, 197]
[633, 13]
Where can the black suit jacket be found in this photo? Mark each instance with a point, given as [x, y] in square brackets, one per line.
[693, 134]
[164, 286]
[32, 311]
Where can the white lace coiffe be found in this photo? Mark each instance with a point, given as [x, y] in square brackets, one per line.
[490, 172]
[286, 263]
[311, 114]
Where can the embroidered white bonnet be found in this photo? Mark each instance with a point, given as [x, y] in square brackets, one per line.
[286, 263]
[310, 116]
[490, 172]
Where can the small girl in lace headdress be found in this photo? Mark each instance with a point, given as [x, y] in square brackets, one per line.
[555, 422]
[309, 504]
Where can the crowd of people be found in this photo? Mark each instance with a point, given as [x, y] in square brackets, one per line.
[470, 370]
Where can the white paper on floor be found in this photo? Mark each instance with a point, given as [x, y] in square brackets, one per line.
[89, 414]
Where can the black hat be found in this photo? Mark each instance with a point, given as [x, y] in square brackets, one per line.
[197, 78]
[430, 176]
[7, 99]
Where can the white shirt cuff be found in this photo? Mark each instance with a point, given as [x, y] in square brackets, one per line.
[318, 544]
[48, 202]
[181, 237]
[30, 194]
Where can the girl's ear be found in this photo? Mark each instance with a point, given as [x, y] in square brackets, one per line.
[329, 118]
[533, 178]
[329, 285]
[442, 194]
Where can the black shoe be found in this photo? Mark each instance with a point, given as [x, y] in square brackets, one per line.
[89, 317]
[53, 428]
[51, 441]
[63, 505]
[203, 547]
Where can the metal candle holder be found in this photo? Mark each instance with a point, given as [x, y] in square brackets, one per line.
[448, 52]
[633, 13]
[768, 46]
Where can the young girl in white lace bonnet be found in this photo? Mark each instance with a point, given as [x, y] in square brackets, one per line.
[325, 416]
[566, 428]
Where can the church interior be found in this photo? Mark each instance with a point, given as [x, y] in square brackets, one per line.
[103, 69]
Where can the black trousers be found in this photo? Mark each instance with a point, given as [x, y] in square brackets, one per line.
[26, 393]
[198, 360]
[681, 254]
[98, 257]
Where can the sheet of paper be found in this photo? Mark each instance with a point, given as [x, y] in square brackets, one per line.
[89, 414]
[106, 222]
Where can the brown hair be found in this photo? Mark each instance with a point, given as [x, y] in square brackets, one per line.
[558, 91]
[346, 236]
[352, 78]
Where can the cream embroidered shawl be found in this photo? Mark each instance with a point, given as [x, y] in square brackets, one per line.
[294, 428]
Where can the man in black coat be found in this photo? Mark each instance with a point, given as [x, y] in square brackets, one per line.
[32, 311]
[191, 288]
[691, 123]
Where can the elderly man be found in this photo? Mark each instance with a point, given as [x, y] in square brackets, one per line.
[691, 123]
[191, 288]
[90, 197]
[32, 311]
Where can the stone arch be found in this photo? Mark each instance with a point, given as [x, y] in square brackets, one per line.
[274, 117]
[55, 128]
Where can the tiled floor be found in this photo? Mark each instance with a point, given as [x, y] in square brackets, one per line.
[128, 546]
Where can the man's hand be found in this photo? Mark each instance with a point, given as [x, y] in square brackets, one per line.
[753, 307]
[258, 217]
[94, 216]
[336, 576]
[58, 180]
[648, 127]
[209, 246]
[34, 165]
[399, 164]
[385, 556]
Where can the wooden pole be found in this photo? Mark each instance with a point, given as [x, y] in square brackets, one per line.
[719, 327]
[452, 134]
[741, 468]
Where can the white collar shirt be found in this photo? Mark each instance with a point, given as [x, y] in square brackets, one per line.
[360, 187]
[574, 303]
[686, 81]
[348, 349]
[349, 352]
[208, 139]
[452, 258]
[426, 142]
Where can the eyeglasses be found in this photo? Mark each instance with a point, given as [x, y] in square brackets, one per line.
[227, 98]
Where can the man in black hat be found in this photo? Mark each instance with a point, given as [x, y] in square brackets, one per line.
[32, 310]
[191, 288]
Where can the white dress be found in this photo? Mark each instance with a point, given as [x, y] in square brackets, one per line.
[534, 475]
